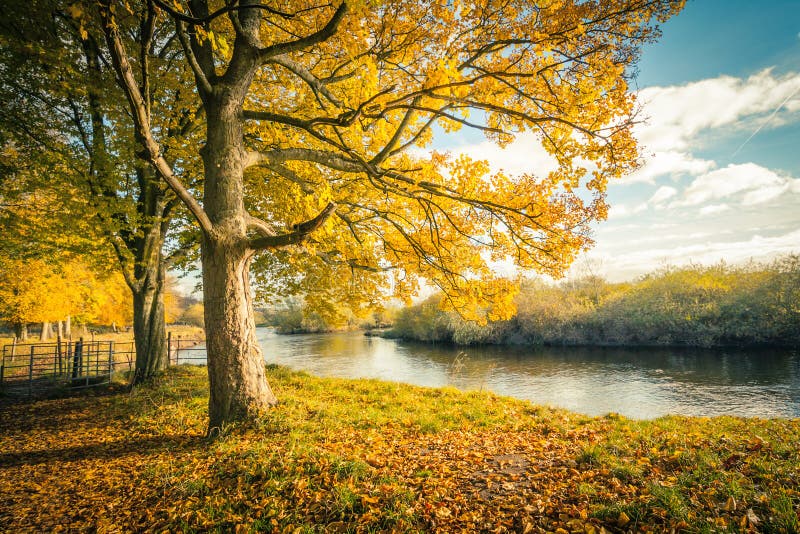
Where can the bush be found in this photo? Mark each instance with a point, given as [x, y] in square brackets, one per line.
[689, 306]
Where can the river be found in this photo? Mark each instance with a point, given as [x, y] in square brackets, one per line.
[637, 383]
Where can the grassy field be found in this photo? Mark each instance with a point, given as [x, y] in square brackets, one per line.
[370, 456]
[184, 331]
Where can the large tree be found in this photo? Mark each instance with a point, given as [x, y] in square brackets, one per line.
[68, 116]
[315, 115]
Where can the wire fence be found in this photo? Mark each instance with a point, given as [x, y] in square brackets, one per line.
[31, 369]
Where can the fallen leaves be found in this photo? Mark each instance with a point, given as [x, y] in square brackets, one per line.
[328, 460]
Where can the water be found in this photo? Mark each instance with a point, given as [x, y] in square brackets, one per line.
[637, 383]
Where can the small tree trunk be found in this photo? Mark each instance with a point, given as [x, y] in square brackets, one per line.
[236, 369]
[149, 330]
[21, 331]
[47, 331]
[68, 326]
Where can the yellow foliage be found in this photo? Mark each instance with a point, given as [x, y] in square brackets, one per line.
[390, 71]
[36, 290]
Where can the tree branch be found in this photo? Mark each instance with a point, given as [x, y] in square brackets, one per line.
[202, 80]
[260, 226]
[278, 49]
[138, 108]
[328, 159]
[298, 234]
[189, 19]
[315, 83]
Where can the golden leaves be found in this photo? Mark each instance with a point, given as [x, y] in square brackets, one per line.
[365, 456]
[372, 91]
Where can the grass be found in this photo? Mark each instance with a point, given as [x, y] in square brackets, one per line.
[369, 456]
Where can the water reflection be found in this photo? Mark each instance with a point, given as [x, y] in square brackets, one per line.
[641, 383]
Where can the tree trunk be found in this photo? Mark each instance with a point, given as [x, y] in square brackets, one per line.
[21, 331]
[47, 331]
[149, 329]
[68, 327]
[236, 369]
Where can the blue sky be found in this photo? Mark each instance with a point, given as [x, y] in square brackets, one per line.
[709, 190]
[717, 75]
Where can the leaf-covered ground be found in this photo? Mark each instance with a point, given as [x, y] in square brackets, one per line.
[369, 456]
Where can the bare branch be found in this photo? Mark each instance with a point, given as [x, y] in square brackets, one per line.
[298, 234]
[278, 49]
[315, 83]
[202, 80]
[260, 226]
[328, 159]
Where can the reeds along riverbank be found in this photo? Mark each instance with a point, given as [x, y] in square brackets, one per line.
[753, 305]
[368, 456]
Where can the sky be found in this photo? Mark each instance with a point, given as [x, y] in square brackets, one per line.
[720, 144]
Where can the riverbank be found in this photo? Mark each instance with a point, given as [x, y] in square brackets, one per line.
[719, 306]
[366, 456]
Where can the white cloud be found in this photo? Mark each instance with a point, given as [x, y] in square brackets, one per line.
[663, 194]
[714, 209]
[642, 260]
[617, 211]
[668, 163]
[524, 155]
[755, 184]
[676, 114]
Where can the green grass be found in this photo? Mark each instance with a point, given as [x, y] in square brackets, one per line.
[369, 456]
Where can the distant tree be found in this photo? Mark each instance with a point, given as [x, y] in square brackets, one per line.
[193, 315]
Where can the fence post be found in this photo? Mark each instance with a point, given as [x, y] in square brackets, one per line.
[58, 353]
[88, 359]
[169, 349]
[30, 371]
[110, 359]
[13, 349]
[77, 357]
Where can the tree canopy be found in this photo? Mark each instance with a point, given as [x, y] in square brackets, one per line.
[69, 122]
[319, 122]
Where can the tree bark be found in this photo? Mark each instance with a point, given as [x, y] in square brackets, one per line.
[236, 369]
[47, 331]
[21, 331]
[149, 329]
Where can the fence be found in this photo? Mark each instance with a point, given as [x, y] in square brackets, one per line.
[182, 351]
[35, 368]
